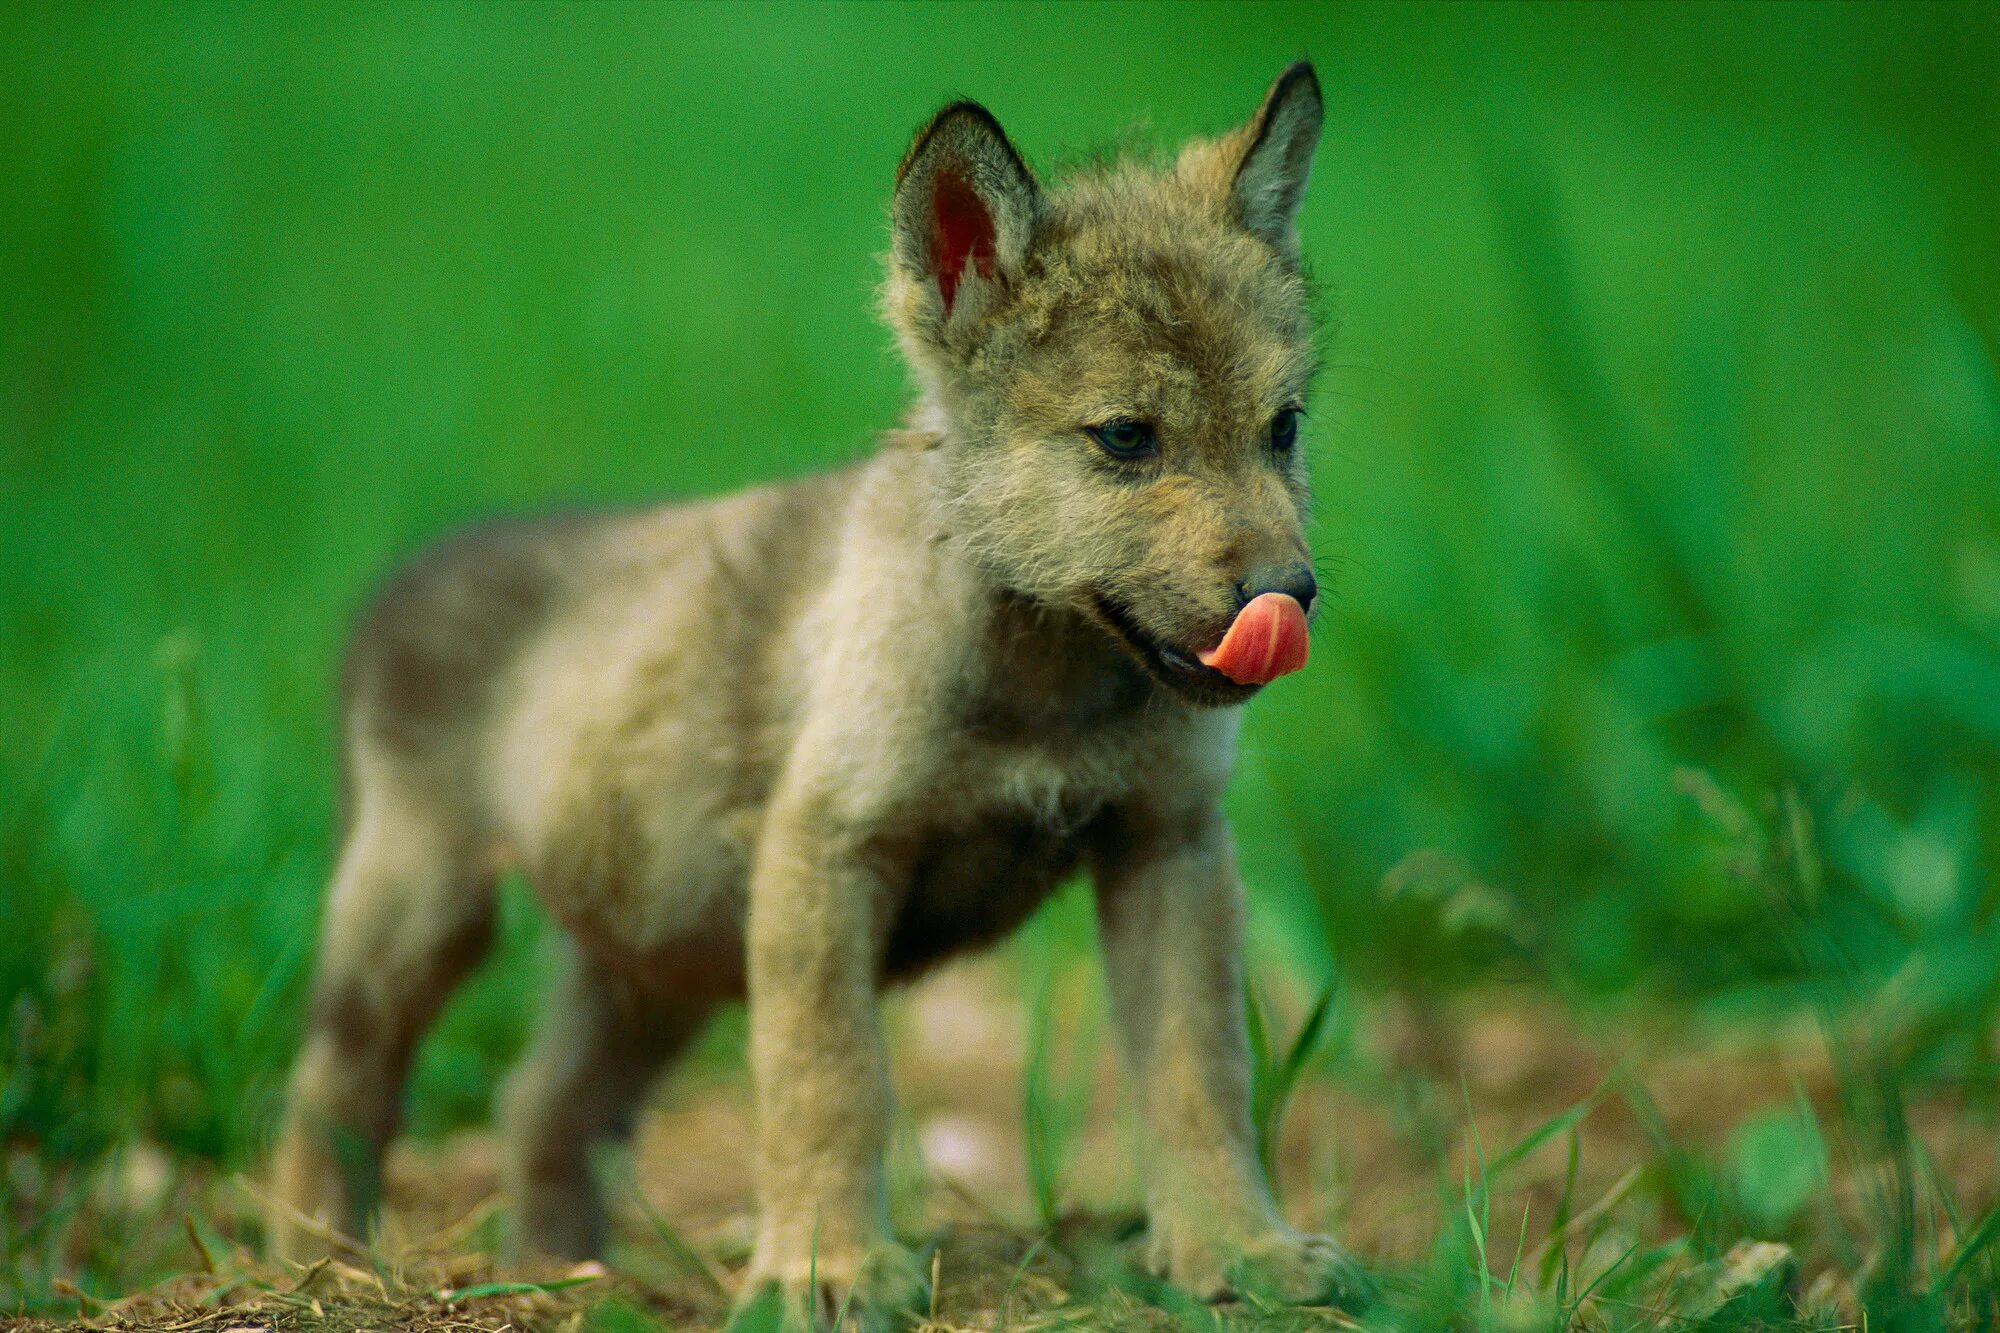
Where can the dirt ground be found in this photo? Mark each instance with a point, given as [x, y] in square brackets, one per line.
[1376, 1151]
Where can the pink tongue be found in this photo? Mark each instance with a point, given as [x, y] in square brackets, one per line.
[1267, 640]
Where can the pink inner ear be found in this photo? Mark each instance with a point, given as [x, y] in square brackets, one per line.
[963, 229]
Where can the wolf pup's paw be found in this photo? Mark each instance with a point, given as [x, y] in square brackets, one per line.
[1299, 1268]
[1283, 1266]
[871, 1292]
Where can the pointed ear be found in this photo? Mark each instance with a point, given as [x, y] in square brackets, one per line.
[1271, 179]
[965, 213]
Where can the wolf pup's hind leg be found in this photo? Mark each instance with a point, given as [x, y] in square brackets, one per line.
[578, 1089]
[410, 913]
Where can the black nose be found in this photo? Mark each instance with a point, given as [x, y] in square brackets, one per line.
[1295, 581]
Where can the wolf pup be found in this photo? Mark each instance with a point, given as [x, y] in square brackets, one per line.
[807, 740]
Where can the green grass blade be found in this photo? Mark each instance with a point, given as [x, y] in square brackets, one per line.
[1977, 1243]
[484, 1290]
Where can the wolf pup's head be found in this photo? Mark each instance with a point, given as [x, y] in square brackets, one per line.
[1113, 369]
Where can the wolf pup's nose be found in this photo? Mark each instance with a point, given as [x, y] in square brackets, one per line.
[1295, 581]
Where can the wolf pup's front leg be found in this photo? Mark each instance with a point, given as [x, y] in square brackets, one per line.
[822, 1090]
[1170, 910]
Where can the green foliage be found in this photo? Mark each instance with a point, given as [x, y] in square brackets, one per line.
[618, 1316]
[1274, 1073]
[1055, 1097]
[764, 1313]
[1776, 1164]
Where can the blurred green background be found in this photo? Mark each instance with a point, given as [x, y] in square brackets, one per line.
[1658, 463]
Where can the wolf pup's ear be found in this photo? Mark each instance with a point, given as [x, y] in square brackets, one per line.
[964, 216]
[1271, 178]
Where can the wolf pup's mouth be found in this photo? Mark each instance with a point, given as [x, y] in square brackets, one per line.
[1178, 670]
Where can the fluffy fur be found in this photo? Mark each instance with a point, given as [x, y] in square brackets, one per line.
[799, 742]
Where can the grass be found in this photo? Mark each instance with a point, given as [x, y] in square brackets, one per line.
[1657, 458]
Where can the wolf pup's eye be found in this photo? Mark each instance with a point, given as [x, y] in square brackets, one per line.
[1285, 430]
[1125, 438]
